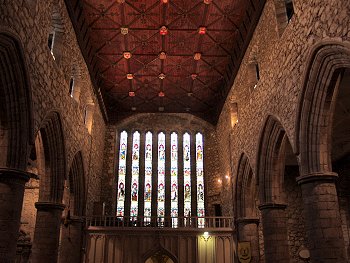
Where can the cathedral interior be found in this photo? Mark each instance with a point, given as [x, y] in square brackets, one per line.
[174, 131]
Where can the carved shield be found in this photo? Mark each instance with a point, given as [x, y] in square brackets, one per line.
[244, 252]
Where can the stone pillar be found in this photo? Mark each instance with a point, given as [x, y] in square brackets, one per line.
[274, 222]
[322, 217]
[47, 232]
[71, 241]
[11, 199]
[247, 230]
[154, 175]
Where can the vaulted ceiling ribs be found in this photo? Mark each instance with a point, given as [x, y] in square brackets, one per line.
[164, 55]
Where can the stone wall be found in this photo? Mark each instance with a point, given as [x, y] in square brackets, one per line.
[30, 21]
[282, 54]
[167, 123]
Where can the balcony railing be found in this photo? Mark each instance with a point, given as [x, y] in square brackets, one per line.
[160, 222]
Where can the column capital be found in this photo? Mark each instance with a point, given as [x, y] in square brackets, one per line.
[316, 177]
[7, 174]
[272, 206]
[42, 206]
[247, 220]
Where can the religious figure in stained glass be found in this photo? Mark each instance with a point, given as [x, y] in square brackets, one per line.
[161, 152]
[200, 192]
[148, 152]
[199, 153]
[121, 191]
[187, 153]
[148, 192]
[134, 191]
[161, 192]
[187, 192]
[122, 151]
[174, 192]
[135, 155]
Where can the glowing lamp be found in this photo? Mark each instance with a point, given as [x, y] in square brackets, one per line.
[207, 2]
[161, 94]
[206, 236]
[202, 30]
[161, 76]
[120, 1]
[163, 30]
[129, 76]
[131, 94]
[165, 1]
[194, 76]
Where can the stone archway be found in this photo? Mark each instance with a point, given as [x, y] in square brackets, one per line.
[246, 215]
[277, 169]
[16, 136]
[314, 141]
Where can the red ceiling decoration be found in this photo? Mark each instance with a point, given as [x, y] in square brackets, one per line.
[173, 48]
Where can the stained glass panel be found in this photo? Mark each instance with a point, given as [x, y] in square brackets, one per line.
[187, 174]
[135, 165]
[200, 179]
[161, 176]
[174, 180]
[122, 173]
[148, 177]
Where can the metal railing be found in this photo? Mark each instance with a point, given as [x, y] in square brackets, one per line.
[160, 222]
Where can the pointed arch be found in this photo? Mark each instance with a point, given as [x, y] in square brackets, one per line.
[159, 251]
[52, 181]
[77, 184]
[16, 127]
[314, 122]
[245, 189]
[271, 161]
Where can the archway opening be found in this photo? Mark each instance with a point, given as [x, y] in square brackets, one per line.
[340, 149]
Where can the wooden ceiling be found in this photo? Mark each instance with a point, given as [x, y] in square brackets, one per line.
[163, 55]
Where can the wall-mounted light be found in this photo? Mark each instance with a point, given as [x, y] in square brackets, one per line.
[227, 177]
[219, 181]
[206, 236]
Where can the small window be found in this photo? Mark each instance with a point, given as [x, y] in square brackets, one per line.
[257, 71]
[88, 116]
[71, 87]
[289, 9]
[50, 40]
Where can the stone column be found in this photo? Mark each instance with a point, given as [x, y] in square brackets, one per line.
[71, 241]
[247, 230]
[11, 199]
[322, 217]
[47, 232]
[274, 222]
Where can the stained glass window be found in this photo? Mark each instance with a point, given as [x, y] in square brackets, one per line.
[200, 179]
[135, 166]
[187, 174]
[174, 180]
[148, 177]
[161, 175]
[122, 173]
